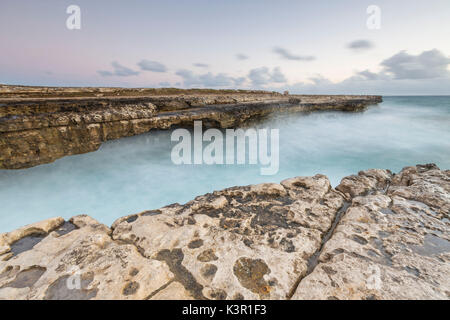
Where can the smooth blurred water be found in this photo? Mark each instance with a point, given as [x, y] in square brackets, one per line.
[134, 174]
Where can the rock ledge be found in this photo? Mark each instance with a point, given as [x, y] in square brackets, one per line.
[39, 125]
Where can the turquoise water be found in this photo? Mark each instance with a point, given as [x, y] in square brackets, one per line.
[135, 174]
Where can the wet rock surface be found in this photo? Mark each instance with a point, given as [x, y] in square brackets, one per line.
[378, 235]
[39, 125]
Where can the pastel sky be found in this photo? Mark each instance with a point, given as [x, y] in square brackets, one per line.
[300, 46]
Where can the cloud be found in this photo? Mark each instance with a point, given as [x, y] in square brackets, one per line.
[320, 80]
[241, 56]
[283, 53]
[154, 66]
[277, 76]
[360, 45]
[239, 81]
[259, 76]
[201, 65]
[401, 74]
[430, 64]
[118, 70]
[208, 79]
[263, 76]
[427, 65]
[164, 84]
[368, 75]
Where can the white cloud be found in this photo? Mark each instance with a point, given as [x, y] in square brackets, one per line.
[201, 65]
[427, 65]
[263, 76]
[208, 79]
[401, 74]
[241, 56]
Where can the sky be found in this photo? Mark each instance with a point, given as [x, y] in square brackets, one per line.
[309, 47]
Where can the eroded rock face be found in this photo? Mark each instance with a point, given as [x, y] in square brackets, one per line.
[378, 236]
[40, 125]
[84, 263]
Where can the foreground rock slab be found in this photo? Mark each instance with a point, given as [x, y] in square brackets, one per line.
[39, 125]
[376, 236]
[393, 241]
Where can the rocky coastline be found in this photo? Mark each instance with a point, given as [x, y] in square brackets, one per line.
[40, 124]
[377, 235]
